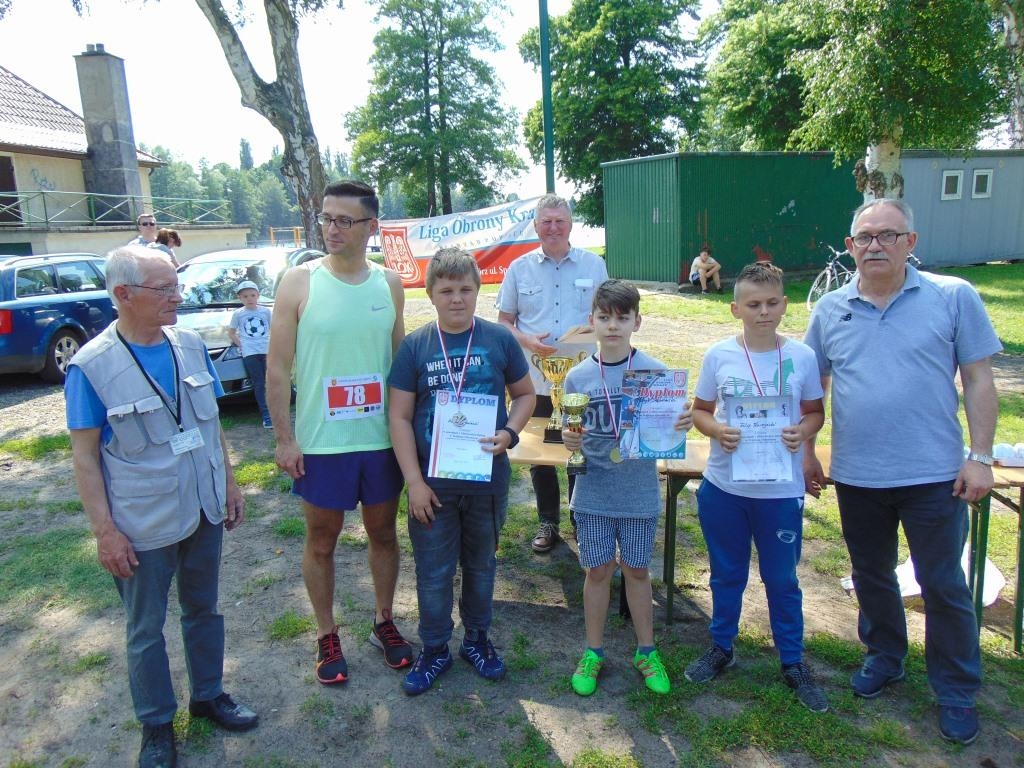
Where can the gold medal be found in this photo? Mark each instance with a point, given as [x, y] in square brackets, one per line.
[615, 455]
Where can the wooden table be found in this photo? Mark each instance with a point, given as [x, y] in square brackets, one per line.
[533, 450]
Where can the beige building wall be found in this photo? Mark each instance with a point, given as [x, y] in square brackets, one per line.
[103, 239]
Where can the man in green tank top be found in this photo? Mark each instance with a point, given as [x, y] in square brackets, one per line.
[338, 321]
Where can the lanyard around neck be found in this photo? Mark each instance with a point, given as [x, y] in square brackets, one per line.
[176, 410]
[753, 373]
[607, 394]
[465, 360]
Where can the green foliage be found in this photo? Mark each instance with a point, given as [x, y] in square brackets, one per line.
[595, 758]
[619, 88]
[290, 527]
[290, 625]
[260, 474]
[318, 710]
[432, 120]
[35, 448]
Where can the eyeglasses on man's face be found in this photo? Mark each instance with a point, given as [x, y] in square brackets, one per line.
[863, 240]
[163, 290]
[147, 224]
[342, 222]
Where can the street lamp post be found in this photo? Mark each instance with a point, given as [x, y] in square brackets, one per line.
[545, 77]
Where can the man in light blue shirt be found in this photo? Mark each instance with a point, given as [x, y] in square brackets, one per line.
[890, 342]
[546, 293]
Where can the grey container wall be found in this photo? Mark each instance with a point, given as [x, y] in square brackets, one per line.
[966, 227]
[660, 210]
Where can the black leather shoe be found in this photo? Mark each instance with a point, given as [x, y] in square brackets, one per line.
[225, 713]
[158, 747]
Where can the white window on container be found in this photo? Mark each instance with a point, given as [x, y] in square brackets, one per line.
[982, 183]
[952, 184]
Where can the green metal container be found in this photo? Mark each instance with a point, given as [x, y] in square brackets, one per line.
[746, 206]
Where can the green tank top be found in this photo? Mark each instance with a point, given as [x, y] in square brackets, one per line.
[342, 358]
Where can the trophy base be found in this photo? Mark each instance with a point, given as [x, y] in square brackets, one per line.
[552, 435]
[573, 470]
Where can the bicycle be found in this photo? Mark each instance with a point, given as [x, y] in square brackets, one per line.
[834, 275]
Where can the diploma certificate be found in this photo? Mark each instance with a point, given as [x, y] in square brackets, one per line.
[761, 456]
[456, 452]
[651, 403]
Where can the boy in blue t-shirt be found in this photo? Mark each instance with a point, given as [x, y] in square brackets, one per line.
[616, 503]
[250, 332]
[779, 379]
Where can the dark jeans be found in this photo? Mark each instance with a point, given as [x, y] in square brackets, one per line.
[936, 525]
[256, 368]
[195, 564]
[464, 532]
[545, 479]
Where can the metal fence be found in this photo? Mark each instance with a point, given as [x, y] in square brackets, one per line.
[70, 209]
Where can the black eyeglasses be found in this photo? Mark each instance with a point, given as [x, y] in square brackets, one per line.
[163, 290]
[342, 222]
[885, 238]
[148, 224]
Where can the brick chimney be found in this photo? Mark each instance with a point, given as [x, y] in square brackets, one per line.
[112, 166]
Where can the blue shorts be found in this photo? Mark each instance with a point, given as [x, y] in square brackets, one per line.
[343, 480]
[598, 535]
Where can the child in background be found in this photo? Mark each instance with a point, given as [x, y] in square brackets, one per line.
[756, 362]
[703, 269]
[616, 503]
[250, 332]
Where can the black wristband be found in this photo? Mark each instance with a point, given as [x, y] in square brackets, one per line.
[514, 435]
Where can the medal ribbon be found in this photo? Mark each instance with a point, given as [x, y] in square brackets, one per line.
[465, 361]
[607, 395]
[750, 362]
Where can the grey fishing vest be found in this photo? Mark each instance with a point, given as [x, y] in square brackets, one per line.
[155, 497]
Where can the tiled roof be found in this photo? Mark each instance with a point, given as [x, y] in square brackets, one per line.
[31, 119]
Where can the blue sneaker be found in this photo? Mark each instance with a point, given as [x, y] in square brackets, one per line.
[428, 667]
[485, 660]
[867, 683]
[958, 724]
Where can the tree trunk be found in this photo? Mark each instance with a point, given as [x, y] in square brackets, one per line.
[878, 174]
[444, 172]
[282, 103]
[1014, 40]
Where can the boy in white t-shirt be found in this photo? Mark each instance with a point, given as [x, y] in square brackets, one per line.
[783, 375]
[704, 269]
[250, 332]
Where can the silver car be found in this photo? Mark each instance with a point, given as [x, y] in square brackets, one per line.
[209, 299]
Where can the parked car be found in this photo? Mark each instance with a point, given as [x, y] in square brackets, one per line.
[50, 305]
[208, 289]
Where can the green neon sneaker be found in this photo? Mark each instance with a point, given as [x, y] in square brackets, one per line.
[653, 670]
[584, 679]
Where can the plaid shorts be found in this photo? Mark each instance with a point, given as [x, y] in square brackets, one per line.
[597, 537]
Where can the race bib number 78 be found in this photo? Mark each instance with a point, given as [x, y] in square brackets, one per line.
[353, 397]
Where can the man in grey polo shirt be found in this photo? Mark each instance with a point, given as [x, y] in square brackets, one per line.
[891, 341]
[544, 294]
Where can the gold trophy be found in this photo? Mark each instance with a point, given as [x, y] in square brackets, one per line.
[574, 405]
[555, 369]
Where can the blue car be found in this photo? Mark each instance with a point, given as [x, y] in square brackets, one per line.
[49, 307]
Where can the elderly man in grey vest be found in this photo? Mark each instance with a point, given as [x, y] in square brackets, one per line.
[152, 469]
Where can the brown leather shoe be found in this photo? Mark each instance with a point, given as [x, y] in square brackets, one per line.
[546, 538]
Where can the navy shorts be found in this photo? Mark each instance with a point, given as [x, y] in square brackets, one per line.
[343, 480]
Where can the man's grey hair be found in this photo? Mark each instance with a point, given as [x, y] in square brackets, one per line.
[900, 205]
[141, 216]
[553, 201]
[124, 267]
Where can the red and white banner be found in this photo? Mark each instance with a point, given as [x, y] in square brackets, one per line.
[496, 236]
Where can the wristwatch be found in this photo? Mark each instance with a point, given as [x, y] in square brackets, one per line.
[981, 458]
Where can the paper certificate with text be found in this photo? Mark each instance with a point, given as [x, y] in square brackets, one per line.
[761, 456]
[456, 452]
[651, 403]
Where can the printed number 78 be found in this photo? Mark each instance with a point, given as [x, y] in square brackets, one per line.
[355, 395]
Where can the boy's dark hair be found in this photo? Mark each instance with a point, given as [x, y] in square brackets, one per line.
[366, 194]
[705, 249]
[451, 263]
[616, 296]
[759, 273]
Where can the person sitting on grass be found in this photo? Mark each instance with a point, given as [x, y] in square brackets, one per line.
[757, 362]
[455, 520]
[616, 503]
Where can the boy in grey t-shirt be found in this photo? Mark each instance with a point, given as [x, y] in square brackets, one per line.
[616, 503]
[250, 332]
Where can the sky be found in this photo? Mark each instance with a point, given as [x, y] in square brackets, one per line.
[182, 94]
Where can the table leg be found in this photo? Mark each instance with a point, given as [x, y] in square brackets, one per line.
[674, 487]
[978, 553]
[1018, 598]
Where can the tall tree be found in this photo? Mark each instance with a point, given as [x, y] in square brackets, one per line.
[245, 161]
[621, 88]
[283, 101]
[433, 119]
[1011, 13]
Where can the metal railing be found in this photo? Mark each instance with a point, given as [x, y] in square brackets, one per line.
[70, 209]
